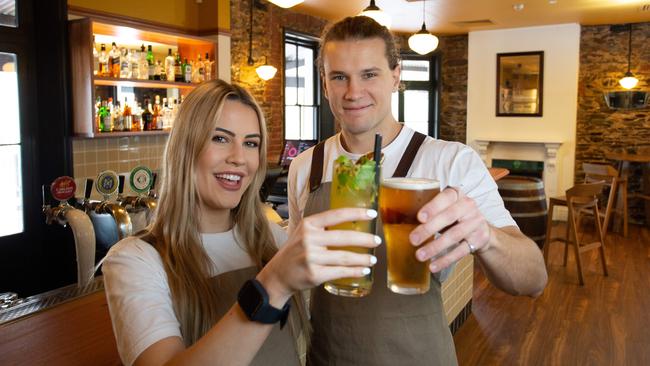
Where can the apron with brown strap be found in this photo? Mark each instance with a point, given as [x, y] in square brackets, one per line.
[382, 328]
[280, 347]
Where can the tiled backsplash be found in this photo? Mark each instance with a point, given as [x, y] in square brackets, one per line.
[457, 289]
[119, 154]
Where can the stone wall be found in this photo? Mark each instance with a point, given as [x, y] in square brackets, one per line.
[603, 61]
[453, 99]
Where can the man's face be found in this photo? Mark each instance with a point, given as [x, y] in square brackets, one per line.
[358, 84]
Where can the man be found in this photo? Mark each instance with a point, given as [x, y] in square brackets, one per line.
[359, 64]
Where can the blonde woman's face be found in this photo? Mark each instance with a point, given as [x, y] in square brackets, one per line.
[228, 164]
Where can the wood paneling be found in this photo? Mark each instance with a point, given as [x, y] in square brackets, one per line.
[605, 322]
[78, 332]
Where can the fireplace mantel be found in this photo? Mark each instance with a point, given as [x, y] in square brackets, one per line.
[550, 148]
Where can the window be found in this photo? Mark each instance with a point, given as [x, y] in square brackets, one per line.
[301, 87]
[416, 103]
[11, 190]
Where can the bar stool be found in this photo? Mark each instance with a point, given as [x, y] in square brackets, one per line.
[617, 184]
[578, 199]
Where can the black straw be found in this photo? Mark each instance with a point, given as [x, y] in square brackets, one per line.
[377, 158]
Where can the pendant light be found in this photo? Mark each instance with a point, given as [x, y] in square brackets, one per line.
[265, 72]
[286, 3]
[373, 11]
[423, 42]
[629, 81]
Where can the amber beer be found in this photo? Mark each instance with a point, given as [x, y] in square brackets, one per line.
[399, 202]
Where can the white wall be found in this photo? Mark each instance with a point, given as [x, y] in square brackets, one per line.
[561, 46]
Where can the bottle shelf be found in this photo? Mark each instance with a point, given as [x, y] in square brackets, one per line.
[124, 134]
[140, 83]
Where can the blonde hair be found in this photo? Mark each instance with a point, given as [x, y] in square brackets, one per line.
[175, 230]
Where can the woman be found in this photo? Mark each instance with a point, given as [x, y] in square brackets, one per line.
[172, 293]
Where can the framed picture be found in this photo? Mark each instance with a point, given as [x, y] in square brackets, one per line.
[520, 84]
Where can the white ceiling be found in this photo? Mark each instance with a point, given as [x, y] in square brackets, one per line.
[451, 16]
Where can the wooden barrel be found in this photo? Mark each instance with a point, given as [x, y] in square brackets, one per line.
[525, 199]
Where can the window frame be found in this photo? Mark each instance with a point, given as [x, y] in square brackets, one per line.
[433, 86]
[300, 39]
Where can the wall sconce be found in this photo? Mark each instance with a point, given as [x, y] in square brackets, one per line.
[629, 81]
[423, 42]
[286, 3]
[373, 11]
[265, 72]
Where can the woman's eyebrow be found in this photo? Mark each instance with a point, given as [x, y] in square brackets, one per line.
[232, 134]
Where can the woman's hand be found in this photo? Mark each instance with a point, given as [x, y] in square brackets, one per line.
[305, 260]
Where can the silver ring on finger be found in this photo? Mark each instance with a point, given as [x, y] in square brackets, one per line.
[472, 248]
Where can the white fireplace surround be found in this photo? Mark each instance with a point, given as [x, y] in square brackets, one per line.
[529, 149]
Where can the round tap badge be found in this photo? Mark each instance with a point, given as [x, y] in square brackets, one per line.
[63, 188]
[106, 183]
[140, 179]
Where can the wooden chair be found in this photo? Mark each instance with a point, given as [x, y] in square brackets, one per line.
[617, 185]
[579, 198]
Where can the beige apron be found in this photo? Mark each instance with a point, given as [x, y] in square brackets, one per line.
[279, 349]
[382, 328]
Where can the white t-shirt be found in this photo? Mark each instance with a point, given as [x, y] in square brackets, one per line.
[451, 163]
[138, 294]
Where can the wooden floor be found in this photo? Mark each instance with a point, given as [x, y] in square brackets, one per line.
[605, 322]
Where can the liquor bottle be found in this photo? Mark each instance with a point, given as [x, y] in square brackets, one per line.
[118, 117]
[114, 61]
[95, 58]
[108, 116]
[157, 116]
[157, 71]
[187, 72]
[134, 59]
[199, 70]
[207, 66]
[144, 66]
[178, 69]
[169, 65]
[103, 62]
[125, 67]
[128, 116]
[150, 63]
[166, 113]
[99, 108]
[136, 121]
[147, 114]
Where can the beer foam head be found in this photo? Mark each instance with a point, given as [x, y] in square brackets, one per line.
[411, 183]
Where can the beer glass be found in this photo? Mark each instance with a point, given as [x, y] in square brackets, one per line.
[400, 201]
[353, 185]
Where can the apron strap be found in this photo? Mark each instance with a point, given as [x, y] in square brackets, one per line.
[316, 174]
[409, 155]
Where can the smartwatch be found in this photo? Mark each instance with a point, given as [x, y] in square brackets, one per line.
[254, 301]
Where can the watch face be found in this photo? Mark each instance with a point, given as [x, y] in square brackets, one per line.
[250, 299]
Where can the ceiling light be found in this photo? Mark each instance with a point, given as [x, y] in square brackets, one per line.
[286, 3]
[518, 7]
[423, 42]
[373, 11]
[265, 72]
[629, 81]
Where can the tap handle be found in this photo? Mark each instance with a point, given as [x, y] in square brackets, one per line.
[120, 184]
[152, 190]
[88, 189]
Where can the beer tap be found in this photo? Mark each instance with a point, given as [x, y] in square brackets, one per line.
[141, 206]
[106, 186]
[62, 189]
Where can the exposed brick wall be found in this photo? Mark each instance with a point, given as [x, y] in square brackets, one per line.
[453, 99]
[603, 61]
[268, 29]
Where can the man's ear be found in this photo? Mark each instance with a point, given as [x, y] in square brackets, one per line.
[324, 83]
[396, 72]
